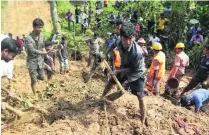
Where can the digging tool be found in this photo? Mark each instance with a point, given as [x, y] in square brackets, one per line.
[119, 93]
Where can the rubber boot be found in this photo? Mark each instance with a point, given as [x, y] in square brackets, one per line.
[143, 110]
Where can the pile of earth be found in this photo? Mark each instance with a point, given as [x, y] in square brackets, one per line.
[76, 108]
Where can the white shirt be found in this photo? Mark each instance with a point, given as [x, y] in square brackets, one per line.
[54, 38]
[153, 40]
[6, 69]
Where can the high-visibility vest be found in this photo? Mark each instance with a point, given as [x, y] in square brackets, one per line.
[118, 29]
[116, 60]
[160, 57]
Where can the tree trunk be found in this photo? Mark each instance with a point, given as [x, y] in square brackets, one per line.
[54, 15]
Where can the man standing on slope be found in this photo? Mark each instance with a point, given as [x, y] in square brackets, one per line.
[36, 50]
[132, 65]
[157, 69]
[178, 70]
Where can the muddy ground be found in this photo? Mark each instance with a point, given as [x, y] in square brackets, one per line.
[76, 108]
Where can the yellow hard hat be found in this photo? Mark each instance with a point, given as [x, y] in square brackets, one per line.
[157, 46]
[180, 45]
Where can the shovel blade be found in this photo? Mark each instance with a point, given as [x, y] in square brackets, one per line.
[115, 95]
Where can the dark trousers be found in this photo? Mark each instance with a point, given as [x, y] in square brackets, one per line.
[77, 18]
[205, 105]
[193, 83]
[33, 75]
[165, 45]
[49, 71]
[96, 58]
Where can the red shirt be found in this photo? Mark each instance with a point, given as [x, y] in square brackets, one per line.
[137, 28]
[19, 41]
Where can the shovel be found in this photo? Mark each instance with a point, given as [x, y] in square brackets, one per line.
[119, 93]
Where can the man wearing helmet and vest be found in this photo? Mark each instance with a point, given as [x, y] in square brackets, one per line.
[201, 74]
[157, 68]
[141, 43]
[178, 70]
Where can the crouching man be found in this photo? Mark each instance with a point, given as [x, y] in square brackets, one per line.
[199, 98]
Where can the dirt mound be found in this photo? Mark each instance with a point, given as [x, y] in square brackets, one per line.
[18, 20]
[76, 108]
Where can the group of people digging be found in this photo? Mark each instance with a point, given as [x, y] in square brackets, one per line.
[131, 68]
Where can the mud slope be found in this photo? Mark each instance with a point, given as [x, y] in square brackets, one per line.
[20, 14]
[76, 109]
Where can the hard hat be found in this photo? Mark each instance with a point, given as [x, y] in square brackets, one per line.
[141, 40]
[157, 46]
[180, 45]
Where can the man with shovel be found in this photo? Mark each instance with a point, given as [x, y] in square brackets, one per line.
[132, 66]
[178, 70]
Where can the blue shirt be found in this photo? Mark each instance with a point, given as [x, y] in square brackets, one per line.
[198, 97]
[110, 42]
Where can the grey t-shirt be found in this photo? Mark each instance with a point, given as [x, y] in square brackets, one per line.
[93, 45]
[63, 48]
[34, 59]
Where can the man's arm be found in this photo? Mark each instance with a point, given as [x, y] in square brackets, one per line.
[30, 48]
[198, 104]
[175, 67]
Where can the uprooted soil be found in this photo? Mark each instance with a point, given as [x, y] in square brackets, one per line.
[76, 108]
[19, 16]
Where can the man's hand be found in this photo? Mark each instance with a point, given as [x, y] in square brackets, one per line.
[50, 50]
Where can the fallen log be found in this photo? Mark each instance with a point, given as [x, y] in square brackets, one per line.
[15, 111]
[14, 97]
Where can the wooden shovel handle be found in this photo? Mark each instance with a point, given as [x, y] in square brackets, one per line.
[113, 76]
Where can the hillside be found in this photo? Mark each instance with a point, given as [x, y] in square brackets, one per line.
[18, 20]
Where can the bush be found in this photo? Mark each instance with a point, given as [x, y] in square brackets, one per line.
[194, 55]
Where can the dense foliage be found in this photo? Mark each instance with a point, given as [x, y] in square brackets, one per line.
[182, 12]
